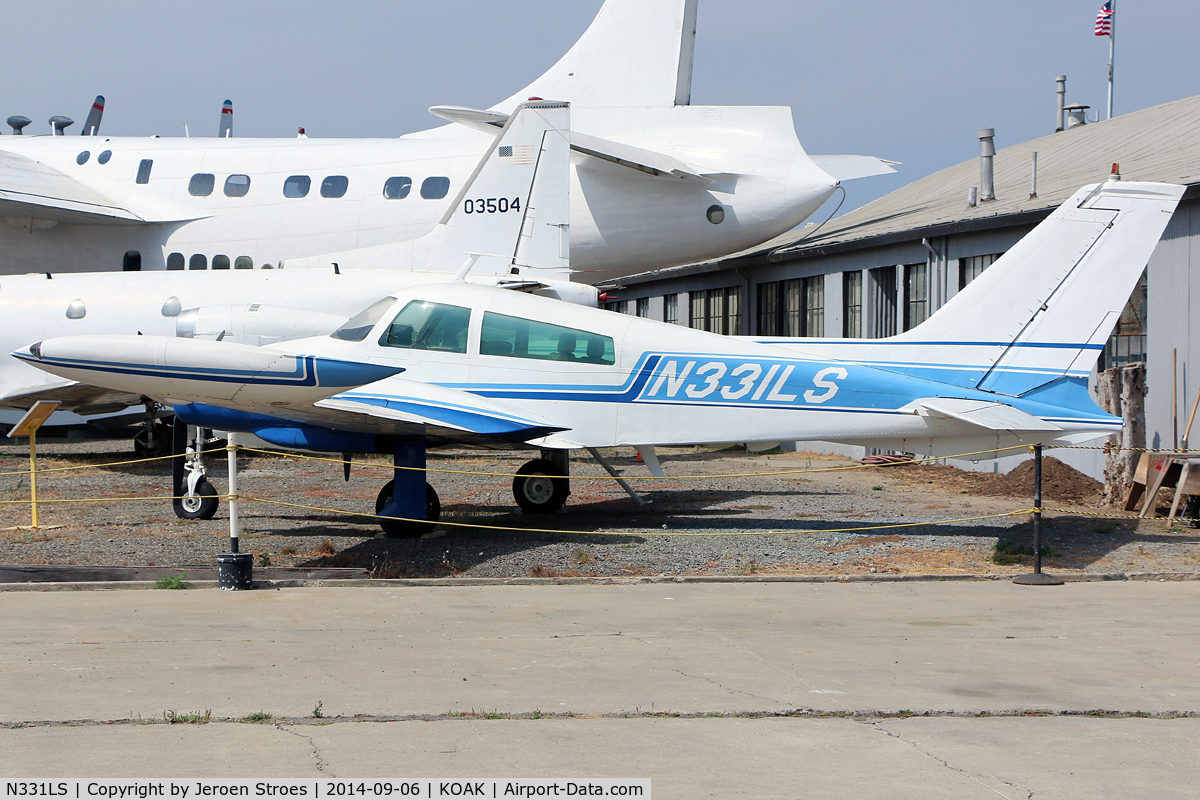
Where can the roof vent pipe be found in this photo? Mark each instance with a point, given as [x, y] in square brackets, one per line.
[1060, 119]
[987, 151]
[1076, 115]
[1033, 178]
[972, 197]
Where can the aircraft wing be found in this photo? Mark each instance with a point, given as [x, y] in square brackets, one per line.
[848, 168]
[444, 412]
[29, 188]
[73, 396]
[984, 414]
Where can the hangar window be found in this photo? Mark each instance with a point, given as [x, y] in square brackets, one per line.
[971, 268]
[334, 186]
[642, 307]
[201, 184]
[144, 168]
[882, 286]
[717, 310]
[198, 261]
[792, 308]
[296, 186]
[852, 304]
[429, 326]
[671, 308]
[175, 261]
[83, 157]
[357, 327]
[397, 188]
[237, 185]
[435, 188]
[132, 262]
[916, 295]
[1128, 341]
[243, 262]
[220, 262]
[525, 338]
[104, 157]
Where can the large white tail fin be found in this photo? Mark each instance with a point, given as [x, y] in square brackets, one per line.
[1044, 309]
[513, 211]
[636, 53]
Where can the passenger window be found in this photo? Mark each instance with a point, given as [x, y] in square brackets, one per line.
[429, 326]
[220, 262]
[359, 326]
[243, 262]
[237, 185]
[83, 157]
[524, 338]
[297, 186]
[175, 261]
[334, 186]
[144, 168]
[132, 262]
[104, 157]
[201, 184]
[435, 188]
[397, 188]
[198, 261]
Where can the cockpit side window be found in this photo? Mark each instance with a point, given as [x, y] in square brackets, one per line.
[359, 326]
[525, 338]
[423, 325]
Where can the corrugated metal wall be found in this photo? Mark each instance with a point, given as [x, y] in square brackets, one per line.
[1173, 302]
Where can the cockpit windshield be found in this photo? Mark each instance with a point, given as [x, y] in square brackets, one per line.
[357, 327]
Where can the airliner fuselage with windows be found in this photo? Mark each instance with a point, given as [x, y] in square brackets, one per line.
[655, 181]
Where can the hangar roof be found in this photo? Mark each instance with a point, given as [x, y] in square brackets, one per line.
[1159, 144]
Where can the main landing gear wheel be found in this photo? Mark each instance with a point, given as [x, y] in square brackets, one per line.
[202, 505]
[399, 529]
[153, 440]
[541, 487]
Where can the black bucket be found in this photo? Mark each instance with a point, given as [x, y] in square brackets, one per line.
[235, 570]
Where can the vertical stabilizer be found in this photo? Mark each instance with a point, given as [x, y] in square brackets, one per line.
[91, 127]
[636, 53]
[226, 129]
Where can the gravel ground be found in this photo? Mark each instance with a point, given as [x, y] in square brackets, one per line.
[778, 522]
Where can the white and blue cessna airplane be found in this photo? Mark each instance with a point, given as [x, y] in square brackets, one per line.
[1005, 362]
[655, 180]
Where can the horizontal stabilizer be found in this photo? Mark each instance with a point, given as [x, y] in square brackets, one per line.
[848, 168]
[984, 414]
[81, 398]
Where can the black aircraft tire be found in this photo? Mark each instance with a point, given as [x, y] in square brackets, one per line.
[202, 505]
[399, 529]
[540, 487]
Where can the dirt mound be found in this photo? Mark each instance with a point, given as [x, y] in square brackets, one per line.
[1060, 482]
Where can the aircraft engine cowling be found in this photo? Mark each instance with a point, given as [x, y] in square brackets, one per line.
[579, 293]
[254, 324]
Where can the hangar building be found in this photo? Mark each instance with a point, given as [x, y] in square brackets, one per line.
[885, 267]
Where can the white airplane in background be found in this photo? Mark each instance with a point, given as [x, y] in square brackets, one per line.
[1003, 363]
[514, 239]
[655, 180]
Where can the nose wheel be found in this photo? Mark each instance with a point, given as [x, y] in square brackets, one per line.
[402, 529]
[541, 487]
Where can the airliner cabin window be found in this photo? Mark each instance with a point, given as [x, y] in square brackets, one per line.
[201, 184]
[104, 157]
[334, 186]
[198, 261]
[397, 188]
[524, 338]
[175, 261]
[243, 262]
[237, 185]
[82, 158]
[435, 188]
[429, 326]
[144, 168]
[220, 262]
[357, 327]
[297, 186]
[132, 262]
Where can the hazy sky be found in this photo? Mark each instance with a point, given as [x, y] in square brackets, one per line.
[910, 82]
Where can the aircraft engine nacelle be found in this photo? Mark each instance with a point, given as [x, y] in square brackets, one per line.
[578, 293]
[254, 324]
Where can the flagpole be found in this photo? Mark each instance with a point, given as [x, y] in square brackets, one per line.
[1112, 49]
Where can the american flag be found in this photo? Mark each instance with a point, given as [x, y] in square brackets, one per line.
[1104, 20]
